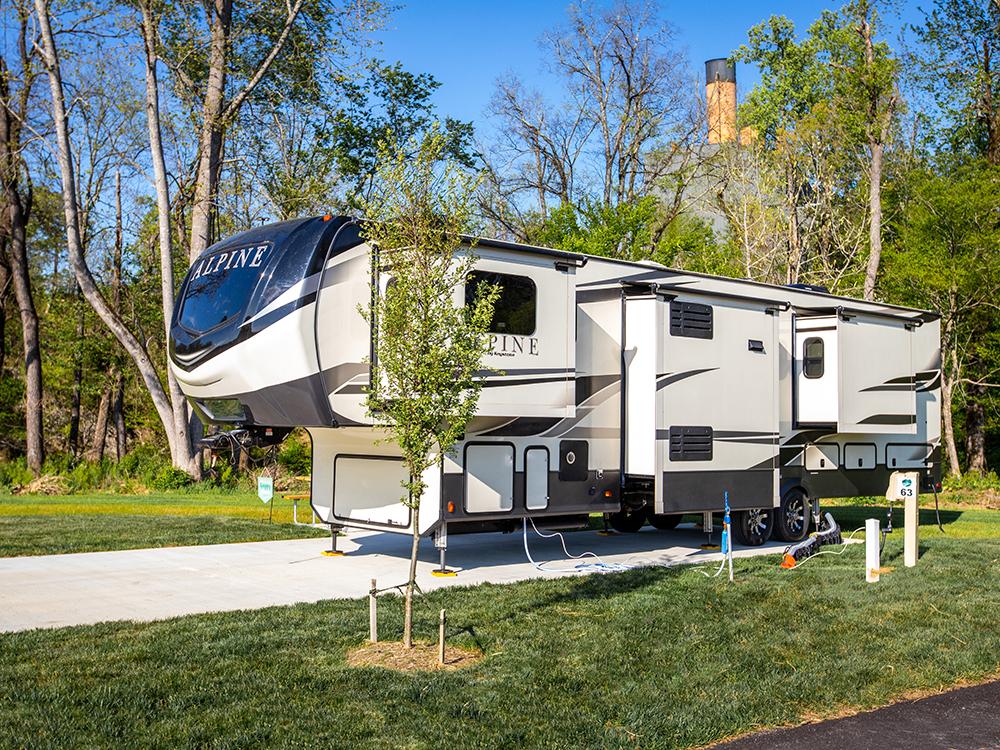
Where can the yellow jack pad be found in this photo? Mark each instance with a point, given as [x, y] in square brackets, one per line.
[332, 553]
[444, 573]
[711, 546]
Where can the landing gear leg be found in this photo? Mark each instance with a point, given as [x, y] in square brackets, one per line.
[706, 525]
[441, 542]
[816, 513]
[333, 551]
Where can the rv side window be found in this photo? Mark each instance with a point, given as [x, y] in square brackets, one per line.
[812, 358]
[690, 319]
[514, 312]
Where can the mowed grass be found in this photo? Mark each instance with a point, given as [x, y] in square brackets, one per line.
[651, 658]
[34, 525]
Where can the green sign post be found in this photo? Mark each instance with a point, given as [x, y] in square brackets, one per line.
[265, 489]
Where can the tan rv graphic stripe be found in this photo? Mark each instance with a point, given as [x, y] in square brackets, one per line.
[668, 378]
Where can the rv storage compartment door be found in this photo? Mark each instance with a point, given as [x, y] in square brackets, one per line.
[877, 383]
[716, 404]
[368, 489]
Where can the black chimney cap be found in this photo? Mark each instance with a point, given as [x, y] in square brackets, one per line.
[719, 69]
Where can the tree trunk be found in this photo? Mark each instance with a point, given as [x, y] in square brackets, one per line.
[101, 428]
[411, 582]
[975, 429]
[874, 220]
[91, 291]
[4, 296]
[177, 401]
[951, 448]
[119, 418]
[210, 142]
[74, 412]
[794, 240]
[34, 436]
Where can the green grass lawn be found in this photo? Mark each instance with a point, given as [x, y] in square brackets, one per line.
[35, 525]
[651, 658]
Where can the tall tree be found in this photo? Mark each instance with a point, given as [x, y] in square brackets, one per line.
[956, 62]
[91, 291]
[944, 258]
[866, 99]
[15, 99]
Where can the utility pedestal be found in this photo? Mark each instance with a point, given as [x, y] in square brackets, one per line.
[903, 486]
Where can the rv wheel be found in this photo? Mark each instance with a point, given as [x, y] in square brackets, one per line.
[753, 527]
[627, 519]
[664, 521]
[792, 522]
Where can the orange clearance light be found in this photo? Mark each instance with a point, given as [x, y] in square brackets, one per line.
[327, 217]
[451, 507]
[607, 493]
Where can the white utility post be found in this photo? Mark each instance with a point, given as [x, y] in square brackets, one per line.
[873, 536]
[903, 486]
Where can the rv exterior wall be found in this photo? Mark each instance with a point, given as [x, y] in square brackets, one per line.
[720, 98]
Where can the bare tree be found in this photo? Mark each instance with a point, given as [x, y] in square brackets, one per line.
[625, 89]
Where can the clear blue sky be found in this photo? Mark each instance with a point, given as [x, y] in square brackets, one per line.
[467, 44]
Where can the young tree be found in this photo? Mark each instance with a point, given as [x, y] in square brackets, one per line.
[423, 385]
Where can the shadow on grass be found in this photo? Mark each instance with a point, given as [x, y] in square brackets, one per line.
[851, 517]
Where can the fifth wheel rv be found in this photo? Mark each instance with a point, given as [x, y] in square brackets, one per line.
[628, 389]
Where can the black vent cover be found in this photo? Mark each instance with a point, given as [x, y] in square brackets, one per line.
[690, 319]
[690, 443]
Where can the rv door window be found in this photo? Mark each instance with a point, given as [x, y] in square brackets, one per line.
[514, 312]
[812, 358]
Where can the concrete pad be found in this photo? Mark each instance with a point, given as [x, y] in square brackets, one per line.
[153, 584]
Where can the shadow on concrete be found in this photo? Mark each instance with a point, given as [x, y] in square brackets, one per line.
[648, 547]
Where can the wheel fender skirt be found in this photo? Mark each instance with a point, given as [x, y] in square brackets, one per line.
[796, 553]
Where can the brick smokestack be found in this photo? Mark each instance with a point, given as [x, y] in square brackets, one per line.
[720, 96]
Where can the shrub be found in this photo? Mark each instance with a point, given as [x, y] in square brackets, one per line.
[171, 478]
[972, 481]
[295, 454]
[14, 474]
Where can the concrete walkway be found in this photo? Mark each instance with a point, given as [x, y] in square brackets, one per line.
[152, 584]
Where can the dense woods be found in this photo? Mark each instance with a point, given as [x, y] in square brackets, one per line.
[134, 134]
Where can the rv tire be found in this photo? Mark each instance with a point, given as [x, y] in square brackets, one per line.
[664, 521]
[628, 519]
[752, 528]
[792, 521]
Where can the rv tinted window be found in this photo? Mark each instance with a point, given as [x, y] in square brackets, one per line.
[812, 358]
[514, 312]
[220, 286]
